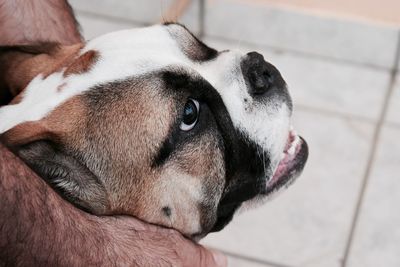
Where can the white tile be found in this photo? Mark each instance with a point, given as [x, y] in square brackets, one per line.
[143, 11]
[394, 104]
[237, 262]
[377, 236]
[308, 224]
[260, 23]
[327, 85]
[94, 26]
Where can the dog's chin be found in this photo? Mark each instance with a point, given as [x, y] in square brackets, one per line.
[293, 160]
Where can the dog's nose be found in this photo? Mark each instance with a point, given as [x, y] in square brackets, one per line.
[260, 74]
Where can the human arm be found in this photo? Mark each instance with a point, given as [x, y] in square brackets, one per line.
[39, 228]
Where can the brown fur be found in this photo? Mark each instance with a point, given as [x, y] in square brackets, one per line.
[56, 126]
[20, 64]
[82, 64]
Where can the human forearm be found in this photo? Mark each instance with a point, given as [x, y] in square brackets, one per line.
[36, 226]
[33, 21]
[30, 21]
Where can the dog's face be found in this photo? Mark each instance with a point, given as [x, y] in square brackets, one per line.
[153, 123]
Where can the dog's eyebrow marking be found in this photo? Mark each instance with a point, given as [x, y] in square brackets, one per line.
[167, 211]
[163, 154]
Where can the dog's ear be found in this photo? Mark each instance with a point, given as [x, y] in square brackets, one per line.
[20, 64]
[37, 143]
[65, 174]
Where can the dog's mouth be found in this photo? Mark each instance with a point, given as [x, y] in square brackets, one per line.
[291, 164]
[293, 160]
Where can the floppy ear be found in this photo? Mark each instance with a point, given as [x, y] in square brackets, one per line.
[40, 149]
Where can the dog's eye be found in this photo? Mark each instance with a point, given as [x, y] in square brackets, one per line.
[190, 115]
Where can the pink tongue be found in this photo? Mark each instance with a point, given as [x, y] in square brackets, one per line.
[283, 164]
[279, 172]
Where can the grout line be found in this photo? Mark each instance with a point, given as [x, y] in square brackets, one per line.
[251, 259]
[371, 158]
[291, 51]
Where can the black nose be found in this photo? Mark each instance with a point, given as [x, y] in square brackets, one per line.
[261, 75]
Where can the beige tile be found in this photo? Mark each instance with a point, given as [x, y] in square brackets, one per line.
[142, 11]
[377, 236]
[263, 24]
[393, 115]
[95, 26]
[308, 224]
[327, 85]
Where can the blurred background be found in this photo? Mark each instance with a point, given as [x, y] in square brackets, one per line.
[340, 59]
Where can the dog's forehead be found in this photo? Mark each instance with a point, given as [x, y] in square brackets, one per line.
[139, 51]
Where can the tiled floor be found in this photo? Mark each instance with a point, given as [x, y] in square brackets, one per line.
[344, 210]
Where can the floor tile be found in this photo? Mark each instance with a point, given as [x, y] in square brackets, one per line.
[322, 84]
[393, 115]
[377, 236]
[260, 23]
[237, 262]
[384, 11]
[142, 11]
[94, 26]
[308, 224]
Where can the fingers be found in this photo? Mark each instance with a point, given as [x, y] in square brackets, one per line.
[158, 246]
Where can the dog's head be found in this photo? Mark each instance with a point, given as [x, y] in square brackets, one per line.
[153, 123]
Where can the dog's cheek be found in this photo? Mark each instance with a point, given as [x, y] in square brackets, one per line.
[177, 195]
[189, 187]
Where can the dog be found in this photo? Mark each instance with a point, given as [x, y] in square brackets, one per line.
[153, 123]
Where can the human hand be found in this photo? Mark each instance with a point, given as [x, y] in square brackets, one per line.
[132, 242]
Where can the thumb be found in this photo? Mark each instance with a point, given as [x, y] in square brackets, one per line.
[210, 258]
[191, 254]
[219, 258]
